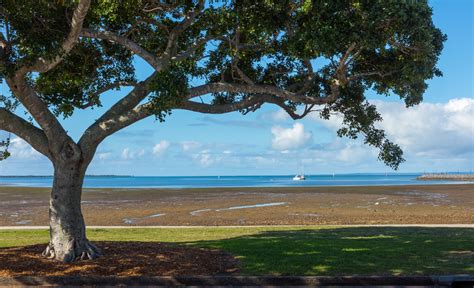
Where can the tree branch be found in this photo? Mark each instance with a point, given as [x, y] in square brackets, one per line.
[43, 65]
[38, 109]
[114, 124]
[158, 6]
[154, 22]
[4, 47]
[101, 129]
[96, 132]
[373, 73]
[179, 29]
[304, 86]
[25, 130]
[3, 41]
[341, 69]
[219, 108]
[194, 47]
[344, 60]
[247, 103]
[260, 89]
[105, 89]
[127, 43]
[292, 113]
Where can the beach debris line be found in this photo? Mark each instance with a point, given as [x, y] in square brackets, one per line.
[134, 220]
[155, 215]
[196, 213]
[305, 214]
[253, 206]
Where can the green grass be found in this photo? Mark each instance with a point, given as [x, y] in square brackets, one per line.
[309, 251]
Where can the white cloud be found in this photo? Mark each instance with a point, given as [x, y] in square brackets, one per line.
[161, 147]
[332, 124]
[20, 149]
[290, 138]
[432, 135]
[280, 116]
[190, 145]
[461, 114]
[436, 130]
[211, 157]
[261, 161]
[104, 156]
[205, 158]
[126, 154]
[354, 152]
[24, 160]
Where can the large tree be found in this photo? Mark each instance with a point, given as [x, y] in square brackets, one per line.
[303, 56]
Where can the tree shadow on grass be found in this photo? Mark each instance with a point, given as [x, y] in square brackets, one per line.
[274, 251]
[353, 251]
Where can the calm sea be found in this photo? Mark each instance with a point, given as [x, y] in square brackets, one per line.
[229, 181]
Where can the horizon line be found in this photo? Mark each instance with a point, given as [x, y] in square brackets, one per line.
[250, 175]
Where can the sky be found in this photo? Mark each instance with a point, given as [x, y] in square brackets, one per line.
[436, 136]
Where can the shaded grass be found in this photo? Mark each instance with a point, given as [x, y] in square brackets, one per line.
[309, 251]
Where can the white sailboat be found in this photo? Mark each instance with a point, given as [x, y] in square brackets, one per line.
[299, 177]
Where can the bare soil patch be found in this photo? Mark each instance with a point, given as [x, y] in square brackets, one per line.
[121, 259]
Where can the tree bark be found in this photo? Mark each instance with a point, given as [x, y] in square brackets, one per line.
[68, 241]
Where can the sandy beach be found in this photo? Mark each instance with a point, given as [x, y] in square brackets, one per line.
[415, 204]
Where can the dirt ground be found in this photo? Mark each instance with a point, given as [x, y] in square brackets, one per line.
[142, 258]
[420, 204]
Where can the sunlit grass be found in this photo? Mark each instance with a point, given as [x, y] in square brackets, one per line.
[309, 251]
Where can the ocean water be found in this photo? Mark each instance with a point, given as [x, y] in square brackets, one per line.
[229, 181]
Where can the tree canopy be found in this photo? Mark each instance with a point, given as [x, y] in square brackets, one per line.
[318, 56]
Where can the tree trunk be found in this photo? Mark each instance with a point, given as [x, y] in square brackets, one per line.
[68, 240]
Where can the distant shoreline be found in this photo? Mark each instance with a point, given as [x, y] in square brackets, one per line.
[449, 177]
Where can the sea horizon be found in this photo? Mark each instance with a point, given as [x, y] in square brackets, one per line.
[222, 181]
[255, 175]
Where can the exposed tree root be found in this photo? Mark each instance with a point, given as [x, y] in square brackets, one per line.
[72, 251]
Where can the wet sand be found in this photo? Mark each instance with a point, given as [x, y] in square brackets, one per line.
[420, 204]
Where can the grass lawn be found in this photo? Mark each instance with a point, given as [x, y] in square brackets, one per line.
[310, 250]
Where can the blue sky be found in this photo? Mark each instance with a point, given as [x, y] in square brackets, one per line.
[437, 135]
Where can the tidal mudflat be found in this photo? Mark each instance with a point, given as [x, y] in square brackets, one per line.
[414, 204]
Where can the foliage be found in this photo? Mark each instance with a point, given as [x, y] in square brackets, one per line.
[9, 104]
[4, 154]
[91, 67]
[168, 88]
[392, 48]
